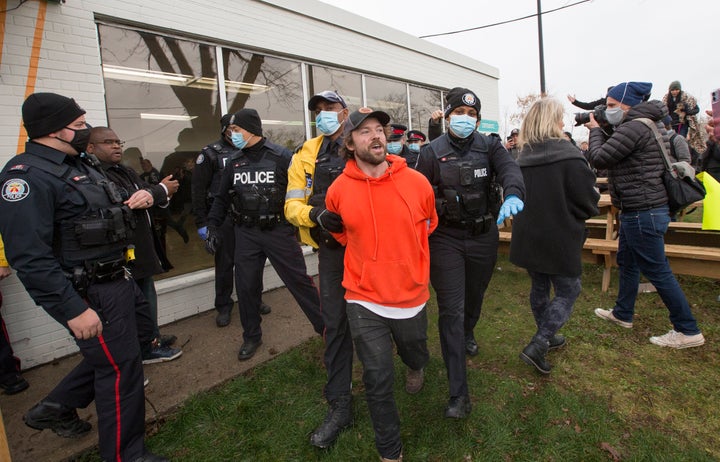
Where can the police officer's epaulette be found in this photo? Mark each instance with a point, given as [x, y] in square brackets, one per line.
[29, 160]
[277, 150]
[19, 168]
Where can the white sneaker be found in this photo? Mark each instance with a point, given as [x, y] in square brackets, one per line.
[674, 339]
[609, 316]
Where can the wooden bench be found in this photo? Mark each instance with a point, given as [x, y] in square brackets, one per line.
[684, 259]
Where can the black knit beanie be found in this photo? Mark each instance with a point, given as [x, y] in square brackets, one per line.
[247, 119]
[45, 113]
[461, 97]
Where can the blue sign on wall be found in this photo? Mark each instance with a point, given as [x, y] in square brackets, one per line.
[489, 126]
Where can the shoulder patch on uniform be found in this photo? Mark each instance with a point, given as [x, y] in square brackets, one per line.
[15, 189]
[19, 168]
[308, 180]
[200, 159]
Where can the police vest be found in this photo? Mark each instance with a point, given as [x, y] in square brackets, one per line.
[105, 228]
[256, 192]
[219, 155]
[465, 179]
[327, 168]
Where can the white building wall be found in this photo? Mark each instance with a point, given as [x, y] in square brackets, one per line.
[69, 64]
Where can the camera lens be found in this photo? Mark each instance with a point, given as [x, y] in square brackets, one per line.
[581, 118]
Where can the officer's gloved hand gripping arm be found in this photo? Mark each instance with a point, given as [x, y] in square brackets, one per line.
[326, 219]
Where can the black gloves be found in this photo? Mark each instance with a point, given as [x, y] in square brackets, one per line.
[326, 219]
[212, 243]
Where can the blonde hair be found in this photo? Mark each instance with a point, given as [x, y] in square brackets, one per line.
[542, 123]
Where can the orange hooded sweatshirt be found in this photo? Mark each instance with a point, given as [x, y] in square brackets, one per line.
[387, 222]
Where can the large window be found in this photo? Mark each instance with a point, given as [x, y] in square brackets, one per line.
[273, 87]
[389, 96]
[423, 101]
[162, 99]
[165, 99]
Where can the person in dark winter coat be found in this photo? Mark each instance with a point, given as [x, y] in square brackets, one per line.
[635, 166]
[548, 237]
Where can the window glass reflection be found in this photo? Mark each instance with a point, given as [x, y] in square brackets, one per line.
[273, 87]
[423, 101]
[389, 96]
[162, 98]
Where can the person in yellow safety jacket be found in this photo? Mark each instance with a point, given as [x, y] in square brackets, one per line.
[313, 169]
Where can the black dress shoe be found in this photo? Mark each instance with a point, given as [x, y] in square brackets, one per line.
[14, 384]
[471, 346]
[223, 318]
[458, 407]
[557, 341]
[534, 355]
[265, 309]
[248, 349]
[61, 419]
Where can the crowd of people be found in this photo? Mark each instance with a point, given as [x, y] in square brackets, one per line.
[390, 212]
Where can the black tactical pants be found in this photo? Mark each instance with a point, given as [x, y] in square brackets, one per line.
[338, 341]
[224, 264]
[252, 247]
[461, 266]
[110, 372]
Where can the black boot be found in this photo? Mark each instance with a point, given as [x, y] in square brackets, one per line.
[223, 317]
[534, 355]
[338, 418]
[471, 346]
[557, 341]
[61, 419]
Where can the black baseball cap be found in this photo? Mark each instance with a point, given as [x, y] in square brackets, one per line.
[359, 116]
[327, 95]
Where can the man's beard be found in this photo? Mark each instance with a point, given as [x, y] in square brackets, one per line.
[367, 156]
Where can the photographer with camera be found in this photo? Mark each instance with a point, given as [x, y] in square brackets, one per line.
[460, 166]
[635, 164]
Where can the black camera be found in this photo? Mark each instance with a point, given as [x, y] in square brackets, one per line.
[581, 118]
[466, 176]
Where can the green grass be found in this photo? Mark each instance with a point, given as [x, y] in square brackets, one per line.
[611, 395]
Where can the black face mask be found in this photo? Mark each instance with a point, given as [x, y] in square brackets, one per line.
[80, 140]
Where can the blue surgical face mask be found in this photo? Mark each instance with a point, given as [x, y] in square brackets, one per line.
[237, 140]
[394, 147]
[614, 115]
[462, 125]
[327, 122]
[414, 147]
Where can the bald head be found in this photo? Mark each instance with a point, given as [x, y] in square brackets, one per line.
[105, 145]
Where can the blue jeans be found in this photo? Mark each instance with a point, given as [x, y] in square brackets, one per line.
[642, 250]
[373, 336]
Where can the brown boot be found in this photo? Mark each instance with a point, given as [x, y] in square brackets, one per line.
[414, 381]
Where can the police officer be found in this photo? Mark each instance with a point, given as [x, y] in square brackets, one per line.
[415, 140]
[72, 264]
[313, 169]
[253, 187]
[460, 165]
[209, 166]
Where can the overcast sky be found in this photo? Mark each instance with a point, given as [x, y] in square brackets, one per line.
[587, 47]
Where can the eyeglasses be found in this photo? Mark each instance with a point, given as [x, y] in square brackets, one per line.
[113, 142]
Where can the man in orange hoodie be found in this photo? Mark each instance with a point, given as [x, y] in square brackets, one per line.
[388, 212]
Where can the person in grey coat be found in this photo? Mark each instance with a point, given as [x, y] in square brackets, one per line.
[548, 237]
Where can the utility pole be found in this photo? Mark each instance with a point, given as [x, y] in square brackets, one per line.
[540, 45]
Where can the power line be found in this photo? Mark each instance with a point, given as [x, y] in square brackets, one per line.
[504, 22]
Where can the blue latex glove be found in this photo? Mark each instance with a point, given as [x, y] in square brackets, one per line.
[512, 206]
[202, 232]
